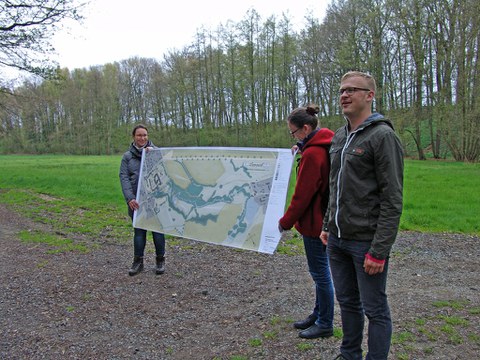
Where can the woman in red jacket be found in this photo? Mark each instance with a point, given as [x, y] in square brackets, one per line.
[306, 212]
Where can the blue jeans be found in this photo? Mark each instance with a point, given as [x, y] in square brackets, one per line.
[360, 294]
[317, 261]
[140, 240]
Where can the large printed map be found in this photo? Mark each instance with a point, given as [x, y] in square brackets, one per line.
[226, 196]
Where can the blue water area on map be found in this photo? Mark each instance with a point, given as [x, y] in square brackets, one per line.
[192, 195]
[194, 189]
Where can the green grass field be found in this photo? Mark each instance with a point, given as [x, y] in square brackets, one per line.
[438, 196]
[441, 197]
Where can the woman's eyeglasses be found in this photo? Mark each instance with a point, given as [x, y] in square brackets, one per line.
[293, 132]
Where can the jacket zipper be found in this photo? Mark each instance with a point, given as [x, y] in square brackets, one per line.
[340, 173]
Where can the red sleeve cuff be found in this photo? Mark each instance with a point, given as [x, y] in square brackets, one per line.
[371, 258]
[281, 222]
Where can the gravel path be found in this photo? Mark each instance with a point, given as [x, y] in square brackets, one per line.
[215, 302]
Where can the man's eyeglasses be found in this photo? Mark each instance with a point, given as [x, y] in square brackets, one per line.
[293, 132]
[351, 90]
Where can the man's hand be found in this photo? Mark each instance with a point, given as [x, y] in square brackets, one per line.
[372, 267]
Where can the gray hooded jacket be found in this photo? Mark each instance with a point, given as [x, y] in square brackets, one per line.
[130, 171]
[366, 185]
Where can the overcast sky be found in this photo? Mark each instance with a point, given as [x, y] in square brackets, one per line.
[115, 30]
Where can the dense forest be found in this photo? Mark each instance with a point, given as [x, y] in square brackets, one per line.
[235, 85]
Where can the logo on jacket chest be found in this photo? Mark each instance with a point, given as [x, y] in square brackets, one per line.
[358, 151]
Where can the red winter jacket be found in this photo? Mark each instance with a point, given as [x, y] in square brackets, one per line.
[310, 198]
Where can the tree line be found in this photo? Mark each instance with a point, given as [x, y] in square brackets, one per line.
[236, 84]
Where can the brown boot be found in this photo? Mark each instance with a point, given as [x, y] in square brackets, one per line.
[137, 266]
[160, 268]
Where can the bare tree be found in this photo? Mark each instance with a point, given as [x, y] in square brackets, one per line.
[236, 85]
[26, 29]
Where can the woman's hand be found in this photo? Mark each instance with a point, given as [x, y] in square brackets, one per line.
[324, 237]
[133, 204]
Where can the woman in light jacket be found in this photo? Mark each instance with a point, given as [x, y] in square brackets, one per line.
[129, 176]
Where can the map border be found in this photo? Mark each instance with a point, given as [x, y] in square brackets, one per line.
[270, 235]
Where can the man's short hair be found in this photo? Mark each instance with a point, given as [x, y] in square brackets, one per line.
[369, 78]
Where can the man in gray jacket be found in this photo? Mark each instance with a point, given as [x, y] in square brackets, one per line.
[363, 216]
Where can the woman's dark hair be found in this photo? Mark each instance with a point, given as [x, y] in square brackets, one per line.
[139, 126]
[304, 116]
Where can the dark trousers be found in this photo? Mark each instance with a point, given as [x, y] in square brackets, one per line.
[360, 294]
[140, 240]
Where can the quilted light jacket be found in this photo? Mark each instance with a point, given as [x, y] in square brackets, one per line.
[130, 171]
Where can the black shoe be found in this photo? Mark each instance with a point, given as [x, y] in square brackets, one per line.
[305, 324]
[160, 268]
[340, 357]
[137, 266]
[314, 332]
